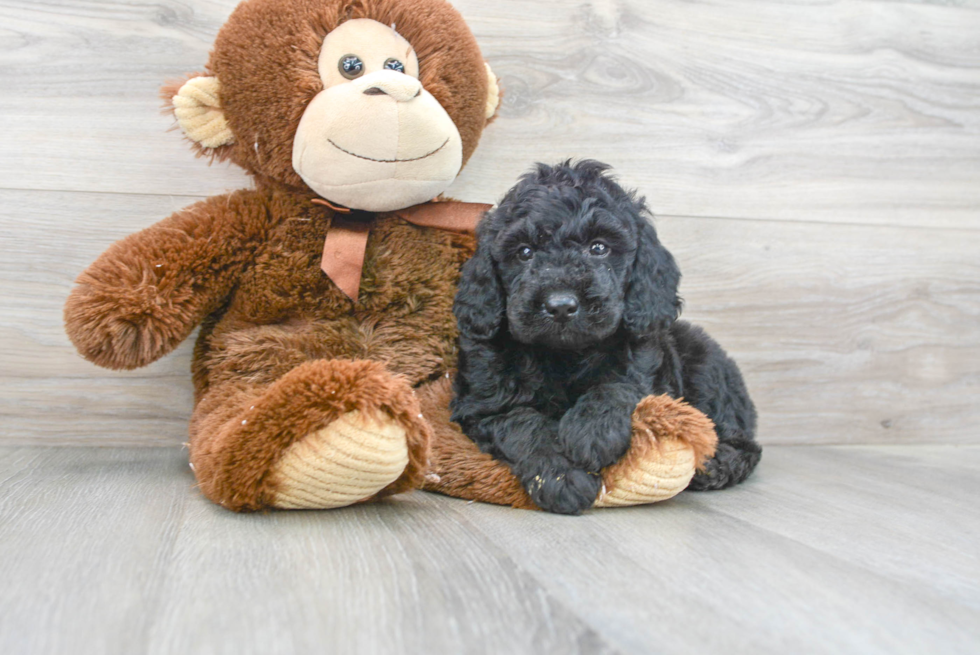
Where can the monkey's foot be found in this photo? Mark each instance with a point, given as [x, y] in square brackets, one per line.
[327, 434]
[650, 480]
[671, 440]
[348, 461]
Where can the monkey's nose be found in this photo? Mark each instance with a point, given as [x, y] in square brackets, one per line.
[561, 305]
[399, 86]
[379, 91]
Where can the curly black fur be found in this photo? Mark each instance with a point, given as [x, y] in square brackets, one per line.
[568, 317]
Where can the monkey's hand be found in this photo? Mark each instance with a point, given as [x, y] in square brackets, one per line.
[147, 292]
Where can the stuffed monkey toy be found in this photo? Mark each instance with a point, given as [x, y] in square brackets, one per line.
[324, 294]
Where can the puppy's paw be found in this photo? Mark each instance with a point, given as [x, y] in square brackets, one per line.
[594, 437]
[563, 490]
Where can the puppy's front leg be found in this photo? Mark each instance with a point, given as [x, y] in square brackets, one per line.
[596, 431]
[527, 440]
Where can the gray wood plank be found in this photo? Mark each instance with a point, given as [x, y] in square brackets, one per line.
[899, 511]
[81, 107]
[860, 334]
[47, 391]
[847, 111]
[85, 541]
[794, 110]
[850, 335]
[111, 550]
[397, 577]
[682, 577]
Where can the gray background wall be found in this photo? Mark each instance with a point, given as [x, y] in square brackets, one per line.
[814, 167]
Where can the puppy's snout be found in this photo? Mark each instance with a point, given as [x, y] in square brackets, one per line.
[561, 305]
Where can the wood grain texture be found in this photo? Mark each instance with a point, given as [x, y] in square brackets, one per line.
[804, 110]
[393, 577]
[855, 334]
[85, 538]
[743, 587]
[47, 391]
[799, 110]
[81, 108]
[749, 126]
[824, 550]
[863, 512]
[860, 334]
[110, 551]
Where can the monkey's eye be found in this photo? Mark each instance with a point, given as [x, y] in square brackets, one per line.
[525, 253]
[350, 66]
[395, 65]
[598, 249]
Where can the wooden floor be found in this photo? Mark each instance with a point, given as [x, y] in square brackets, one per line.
[848, 549]
[815, 168]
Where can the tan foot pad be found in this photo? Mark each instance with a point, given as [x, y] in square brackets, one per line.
[351, 459]
[651, 479]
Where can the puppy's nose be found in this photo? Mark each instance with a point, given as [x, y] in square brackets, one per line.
[561, 304]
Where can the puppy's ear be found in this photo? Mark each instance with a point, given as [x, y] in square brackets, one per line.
[479, 304]
[651, 302]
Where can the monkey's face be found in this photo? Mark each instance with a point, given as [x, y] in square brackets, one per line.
[374, 139]
[325, 95]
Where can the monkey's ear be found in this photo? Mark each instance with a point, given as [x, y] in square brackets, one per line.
[479, 304]
[493, 92]
[652, 302]
[197, 106]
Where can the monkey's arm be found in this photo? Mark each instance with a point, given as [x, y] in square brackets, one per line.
[147, 292]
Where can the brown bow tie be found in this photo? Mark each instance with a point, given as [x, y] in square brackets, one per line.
[343, 249]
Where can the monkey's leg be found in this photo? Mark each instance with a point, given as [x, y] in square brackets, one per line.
[327, 434]
[670, 439]
[457, 467]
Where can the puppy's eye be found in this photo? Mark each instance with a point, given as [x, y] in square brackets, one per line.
[598, 249]
[350, 66]
[525, 253]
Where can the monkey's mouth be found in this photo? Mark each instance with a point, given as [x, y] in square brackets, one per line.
[389, 161]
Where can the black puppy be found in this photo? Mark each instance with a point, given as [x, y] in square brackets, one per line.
[568, 317]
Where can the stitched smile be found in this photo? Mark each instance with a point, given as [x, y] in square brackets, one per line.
[389, 161]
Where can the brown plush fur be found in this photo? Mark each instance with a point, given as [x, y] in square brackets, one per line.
[266, 56]
[659, 418]
[282, 352]
[248, 266]
[278, 336]
[458, 468]
[239, 430]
